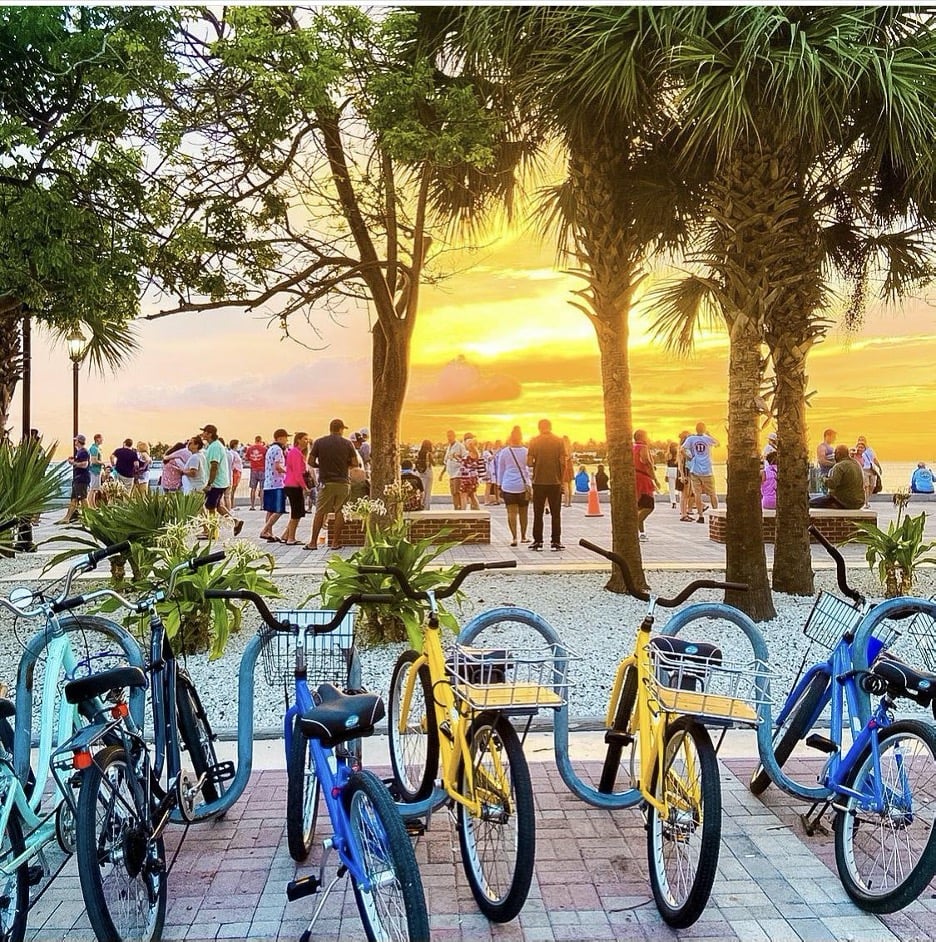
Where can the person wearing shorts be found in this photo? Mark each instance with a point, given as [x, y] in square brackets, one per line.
[219, 478]
[698, 449]
[95, 467]
[293, 485]
[81, 479]
[333, 457]
[274, 477]
[256, 459]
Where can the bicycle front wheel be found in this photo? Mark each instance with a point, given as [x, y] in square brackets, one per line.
[14, 887]
[794, 728]
[394, 906]
[886, 858]
[414, 749]
[122, 870]
[682, 845]
[302, 796]
[197, 738]
[622, 717]
[498, 847]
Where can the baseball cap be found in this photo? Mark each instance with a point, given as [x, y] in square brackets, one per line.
[364, 433]
[336, 425]
[80, 438]
[772, 436]
[209, 428]
[280, 432]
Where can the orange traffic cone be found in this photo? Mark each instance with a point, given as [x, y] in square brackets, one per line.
[594, 508]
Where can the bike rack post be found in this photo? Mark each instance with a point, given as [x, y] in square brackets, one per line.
[26, 674]
[731, 614]
[612, 802]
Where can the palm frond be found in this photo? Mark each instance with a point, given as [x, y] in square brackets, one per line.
[682, 307]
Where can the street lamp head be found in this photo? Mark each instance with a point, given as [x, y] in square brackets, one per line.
[77, 344]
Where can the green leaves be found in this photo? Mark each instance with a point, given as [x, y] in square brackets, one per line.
[897, 551]
[26, 484]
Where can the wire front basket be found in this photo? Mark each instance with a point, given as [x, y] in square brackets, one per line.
[922, 629]
[327, 656]
[511, 680]
[703, 686]
[830, 618]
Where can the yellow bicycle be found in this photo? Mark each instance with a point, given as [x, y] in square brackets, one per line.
[457, 709]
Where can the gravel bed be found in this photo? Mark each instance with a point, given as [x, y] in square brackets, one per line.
[599, 625]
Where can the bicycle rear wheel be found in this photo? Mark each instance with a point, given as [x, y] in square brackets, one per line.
[414, 750]
[197, 738]
[498, 847]
[682, 847]
[394, 908]
[794, 728]
[122, 871]
[14, 888]
[885, 859]
[302, 796]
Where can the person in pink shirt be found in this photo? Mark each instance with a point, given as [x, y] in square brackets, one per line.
[294, 484]
[173, 463]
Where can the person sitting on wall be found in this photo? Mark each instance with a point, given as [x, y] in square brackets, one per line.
[601, 478]
[581, 480]
[921, 481]
[846, 483]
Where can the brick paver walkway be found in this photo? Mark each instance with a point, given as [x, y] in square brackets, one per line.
[591, 879]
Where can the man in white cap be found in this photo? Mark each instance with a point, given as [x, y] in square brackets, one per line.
[771, 445]
[364, 448]
[81, 479]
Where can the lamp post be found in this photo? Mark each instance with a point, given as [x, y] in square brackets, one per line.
[77, 346]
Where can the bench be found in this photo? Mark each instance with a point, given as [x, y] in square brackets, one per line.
[835, 525]
[468, 526]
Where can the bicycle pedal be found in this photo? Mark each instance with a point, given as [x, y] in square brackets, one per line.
[415, 827]
[616, 737]
[34, 874]
[304, 886]
[222, 772]
[822, 743]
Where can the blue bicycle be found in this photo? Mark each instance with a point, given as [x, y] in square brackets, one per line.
[883, 788]
[368, 833]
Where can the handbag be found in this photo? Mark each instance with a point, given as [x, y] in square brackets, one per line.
[527, 487]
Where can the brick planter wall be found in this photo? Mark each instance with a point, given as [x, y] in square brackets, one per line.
[835, 525]
[470, 526]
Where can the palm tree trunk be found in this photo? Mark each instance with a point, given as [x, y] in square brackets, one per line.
[792, 567]
[11, 361]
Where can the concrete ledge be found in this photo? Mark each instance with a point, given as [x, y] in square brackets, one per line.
[467, 526]
[835, 525]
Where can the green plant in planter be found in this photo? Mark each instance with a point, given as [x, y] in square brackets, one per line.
[387, 543]
[195, 624]
[897, 551]
[27, 487]
[136, 517]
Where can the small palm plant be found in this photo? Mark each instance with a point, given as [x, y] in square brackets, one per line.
[897, 551]
[27, 486]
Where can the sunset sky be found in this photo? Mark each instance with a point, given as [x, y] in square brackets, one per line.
[496, 344]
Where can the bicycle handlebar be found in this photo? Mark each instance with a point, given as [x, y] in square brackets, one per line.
[421, 595]
[105, 551]
[678, 599]
[245, 595]
[840, 570]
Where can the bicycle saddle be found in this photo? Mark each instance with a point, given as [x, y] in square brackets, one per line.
[903, 680]
[339, 716]
[94, 685]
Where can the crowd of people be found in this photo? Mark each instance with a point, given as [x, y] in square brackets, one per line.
[848, 475]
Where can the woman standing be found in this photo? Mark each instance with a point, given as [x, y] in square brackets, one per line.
[513, 477]
[646, 483]
[173, 463]
[141, 478]
[672, 471]
[294, 484]
[472, 468]
[424, 470]
[195, 472]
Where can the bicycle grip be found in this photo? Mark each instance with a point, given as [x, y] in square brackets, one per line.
[502, 564]
[736, 587]
[206, 560]
[76, 601]
[378, 598]
[95, 557]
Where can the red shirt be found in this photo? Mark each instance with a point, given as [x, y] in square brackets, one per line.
[256, 454]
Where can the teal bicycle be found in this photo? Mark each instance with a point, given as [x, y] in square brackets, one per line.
[32, 816]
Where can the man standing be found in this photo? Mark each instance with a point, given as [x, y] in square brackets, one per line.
[274, 480]
[333, 457]
[455, 453]
[364, 449]
[219, 477]
[256, 458]
[547, 457]
[698, 449]
[95, 467]
[81, 479]
[126, 463]
[825, 453]
[846, 483]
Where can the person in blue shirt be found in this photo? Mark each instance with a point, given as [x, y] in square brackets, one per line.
[581, 480]
[921, 481]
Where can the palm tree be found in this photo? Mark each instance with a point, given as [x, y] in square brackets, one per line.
[777, 98]
[588, 79]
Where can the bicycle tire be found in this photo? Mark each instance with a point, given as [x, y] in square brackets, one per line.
[622, 717]
[681, 903]
[7, 738]
[196, 736]
[123, 876]
[302, 796]
[392, 909]
[14, 889]
[500, 882]
[897, 828]
[414, 752]
[794, 728]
